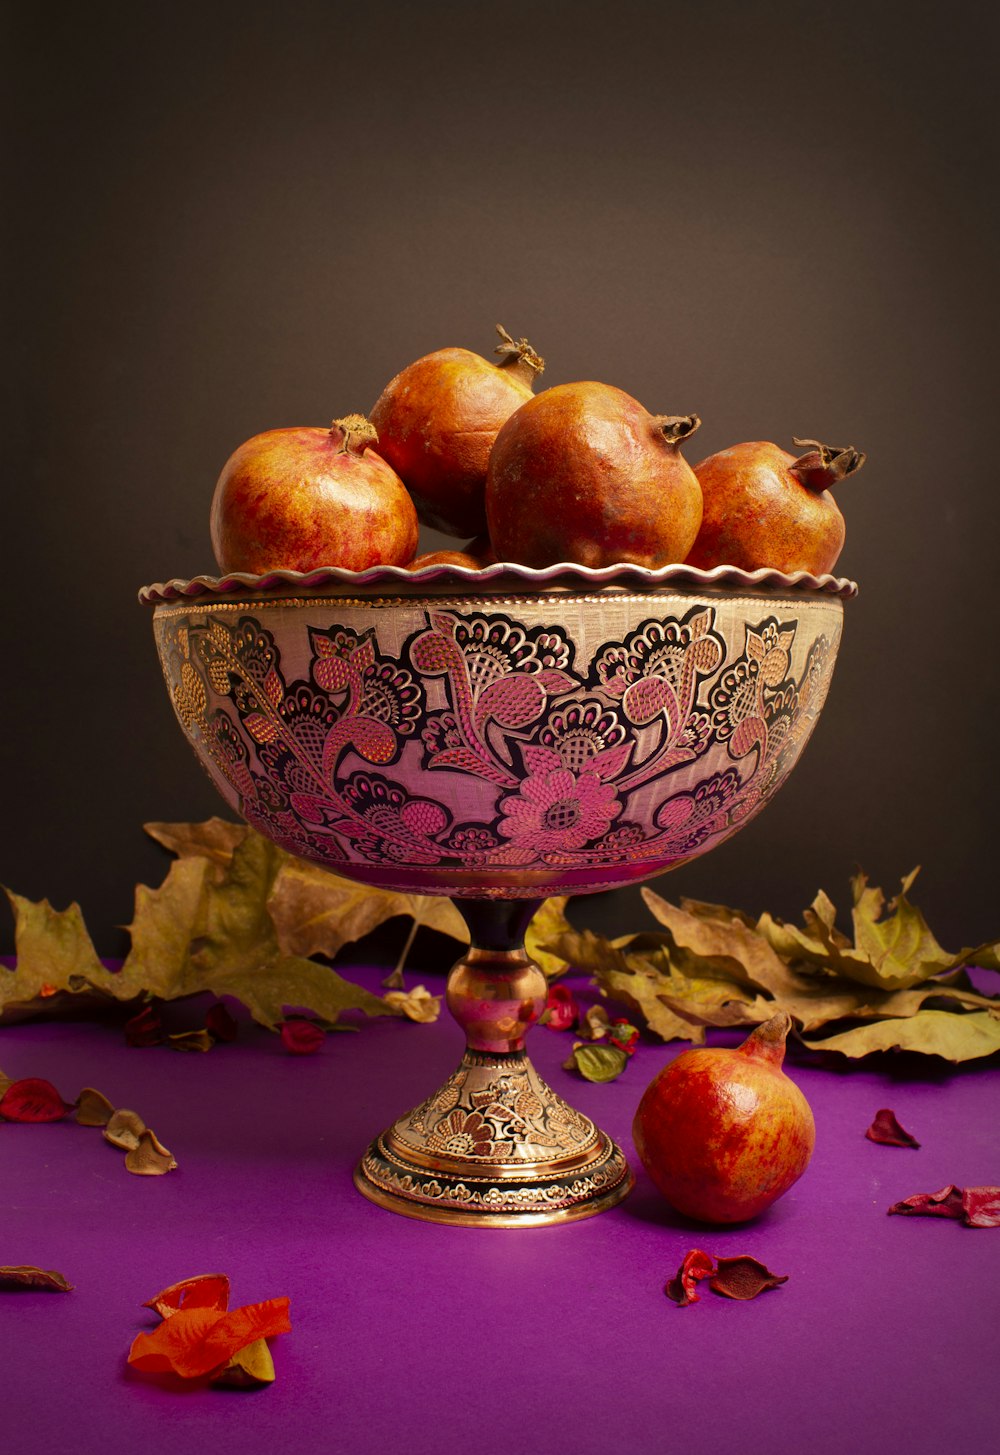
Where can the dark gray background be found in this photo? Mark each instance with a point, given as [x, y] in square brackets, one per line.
[233, 217]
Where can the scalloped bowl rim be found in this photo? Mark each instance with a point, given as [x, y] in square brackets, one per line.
[497, 577]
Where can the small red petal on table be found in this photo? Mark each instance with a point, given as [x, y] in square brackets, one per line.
[33, 1100]
[302, 1037]
[944, 1204]
[193, 1342]
[744, 1277]
[561, 1008]
[696, 1265]
[982, 1207]
[886, 1130]
[219, 1023]
[145, 1028]
[977, 1207]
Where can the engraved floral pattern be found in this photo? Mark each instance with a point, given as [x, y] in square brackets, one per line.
[657, 744]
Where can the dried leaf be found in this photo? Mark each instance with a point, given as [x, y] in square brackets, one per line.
[33, 1099]
[202, 1040]
[302, 1037]
[893, 947]
[631, 980]
[597, 1062]
[149, 1157]
[417, 1004]
[25, 1276]
[204, 1290]
[744, 1277]
[977, 1207]
[214, 840]
[92, 1108]
[561, 1010]
[886, 1130]
[547, 924]
[195, 1342]
[250, 1368]
[934, 1032]
[316, 912]
[124, 1129]
[220, 1024]
[682, 1288]
[238, 952]
[53, 950]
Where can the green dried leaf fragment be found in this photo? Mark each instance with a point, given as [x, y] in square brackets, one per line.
[596, 1062]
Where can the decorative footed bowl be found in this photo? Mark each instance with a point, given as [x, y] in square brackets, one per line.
[498, 736]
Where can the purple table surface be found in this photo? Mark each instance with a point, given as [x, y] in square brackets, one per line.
[410, 1336]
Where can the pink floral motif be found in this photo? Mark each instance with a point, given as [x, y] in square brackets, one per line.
[559, 810]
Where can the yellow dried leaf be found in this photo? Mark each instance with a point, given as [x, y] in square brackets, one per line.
[316, 912]
[214, 839]
[248, 1369]
[547, 924]
[893, 947]
[932, 1032]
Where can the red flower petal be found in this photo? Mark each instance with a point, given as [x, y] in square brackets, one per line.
[33, 1100]
[561, 1007]
[886, 1130]
[145, 1028]
[982, 1207]
[193, 1342]
[944, 1204]
[219, 1023]
[696, 1265]
[744, 1277]
[302, 1037]
[205, 1290]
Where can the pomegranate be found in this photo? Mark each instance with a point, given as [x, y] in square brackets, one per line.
[445, 558]
[723, 1133]
[764, 507]
[295, 499]
[584, 473]
[437, 421]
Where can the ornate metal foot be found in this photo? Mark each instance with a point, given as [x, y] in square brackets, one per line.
[495, 1146]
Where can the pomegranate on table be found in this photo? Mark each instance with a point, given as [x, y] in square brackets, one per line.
[295, 499]
[724, 1133]
[437, 420]
[583, 473]
[766, 508]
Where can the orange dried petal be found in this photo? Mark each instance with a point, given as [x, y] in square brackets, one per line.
[204, 1290]
[194, 1342]
[177, 1345]
[243, 1326]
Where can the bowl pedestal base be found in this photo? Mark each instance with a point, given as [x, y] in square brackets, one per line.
[495, 1146]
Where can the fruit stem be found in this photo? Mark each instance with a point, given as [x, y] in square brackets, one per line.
[356, 433]
[676, 428]
[767, 1041]
[824, 465]
[519, 357]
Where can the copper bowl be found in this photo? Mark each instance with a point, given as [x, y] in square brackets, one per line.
[498, 736]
